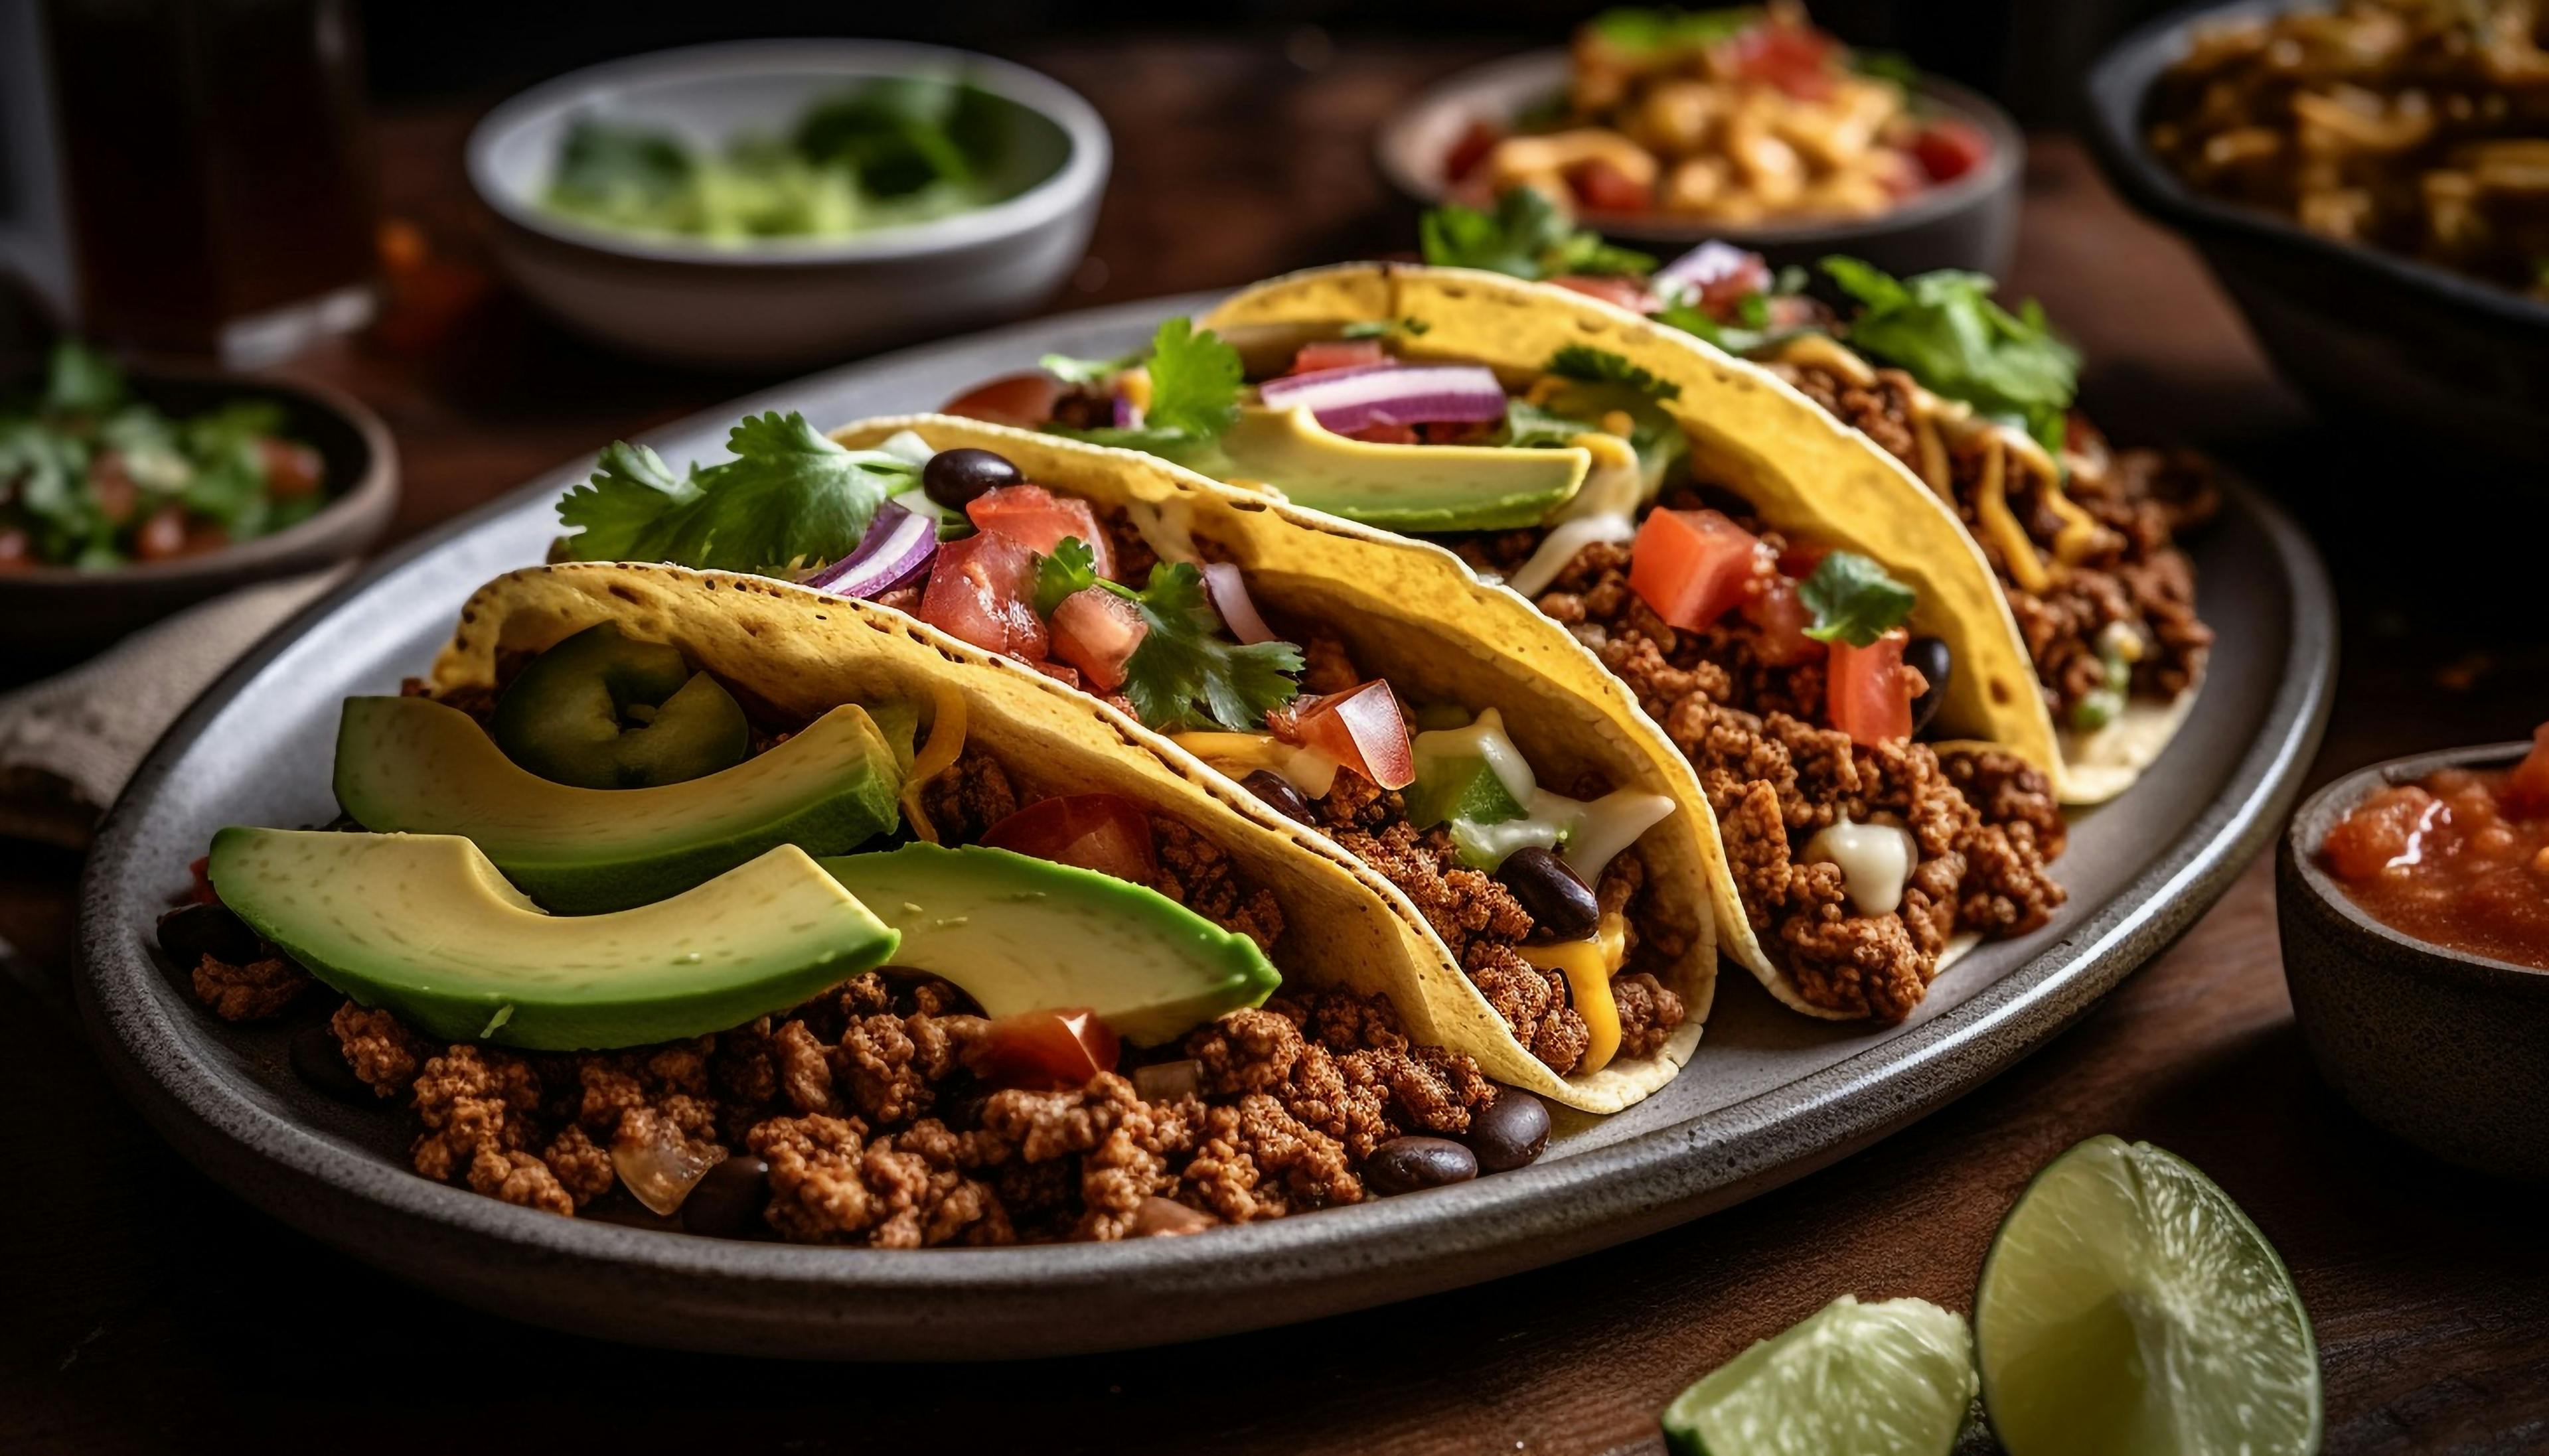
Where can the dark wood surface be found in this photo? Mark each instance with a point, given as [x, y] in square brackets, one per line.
[144, 1310]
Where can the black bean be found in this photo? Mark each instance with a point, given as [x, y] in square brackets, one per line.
[729, 1199]
[190, 933]
[1407, 1164]
[1511, 1133]
[319, 1059]
[1560, 903]
[1278, 795]
[1929, 657]
[954, 477]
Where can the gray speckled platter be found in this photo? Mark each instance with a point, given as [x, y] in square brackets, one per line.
[1769, 1096]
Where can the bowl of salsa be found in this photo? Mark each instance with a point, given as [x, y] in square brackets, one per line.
[2414, 901]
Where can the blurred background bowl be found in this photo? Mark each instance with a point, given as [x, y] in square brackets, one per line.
[2447, 1050]
[2372, 337]
[782, 302]
[1970, 223]
[54, 615]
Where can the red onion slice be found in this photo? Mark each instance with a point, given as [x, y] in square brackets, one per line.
[895, 552]
[1363, 394]
[1128, 415]
[1228, 588]
[1711, 263]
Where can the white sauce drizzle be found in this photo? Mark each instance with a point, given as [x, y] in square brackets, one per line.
[1875, 860]
[1595, 833]
[1604, 510]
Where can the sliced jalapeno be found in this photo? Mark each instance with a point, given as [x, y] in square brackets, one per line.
[600, 710]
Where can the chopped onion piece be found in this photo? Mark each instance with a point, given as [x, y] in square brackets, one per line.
[907, 446]
[895, 552]
[1703, 265]
[1360, 396]
[1128, 415]
[1228, 588]
[657, 1164]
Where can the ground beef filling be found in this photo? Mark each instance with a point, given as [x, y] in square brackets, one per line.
[2136, 576]
[1983, 822]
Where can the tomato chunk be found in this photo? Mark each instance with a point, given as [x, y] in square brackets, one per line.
[1780, 618]
[1104, 831]
[1472, 149]
[1604, 188]
[1694, 566]
[1338, 353]
[1867, 690]
[1045, 1051]
[291, 470]
[17, 549]
[1098, 632]
[1360, 728]
[983, 590]
[2382, 829]
[1039, 520]
[1023, 400]
[1794, 58]
[1949, 148]
[2526, 790]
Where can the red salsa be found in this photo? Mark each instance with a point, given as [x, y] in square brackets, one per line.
[2459, 858]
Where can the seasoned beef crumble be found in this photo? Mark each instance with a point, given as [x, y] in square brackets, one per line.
[1773, 776]
[2141, 498]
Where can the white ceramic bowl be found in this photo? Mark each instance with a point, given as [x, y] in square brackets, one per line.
[786, 301]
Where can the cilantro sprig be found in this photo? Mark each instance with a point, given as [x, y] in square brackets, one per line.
[1196, 382]
[1853, 600]
[1946, 331]
[790, 498]
[1186, 673]
[1527, 238]
[1601, 366]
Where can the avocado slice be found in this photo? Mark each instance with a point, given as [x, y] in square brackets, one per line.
[424, 925]
[601, 710]
[1400, 488]
[415, 765]
[1020, 934]
[1463, 789]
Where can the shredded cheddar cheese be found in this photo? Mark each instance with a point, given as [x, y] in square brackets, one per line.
[1588, 967]
[946, 741]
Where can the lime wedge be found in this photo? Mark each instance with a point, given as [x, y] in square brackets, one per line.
[1890, 1379]
[2128, 1309]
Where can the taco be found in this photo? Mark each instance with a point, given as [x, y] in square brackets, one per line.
[929, 946]
[1774, 594]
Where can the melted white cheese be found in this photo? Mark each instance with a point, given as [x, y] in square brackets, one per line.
[1605, 509]
[1876, 861]
[1593, 833]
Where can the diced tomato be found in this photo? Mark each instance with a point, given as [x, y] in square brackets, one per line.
[118, 496]
[162, 537]
[2383, 828]
[1722, 295]
[983, 590]
[17, 549]
[1066, 677]
[1022, 400]
[200, 871]
[2526, 791]
[1950, 147]
[1472, 149]
[291, 471]
[1867, 693]
[1039, 520]
[1800, 558]
[1045, 1051]
[1627, 293]
[1338, 353]
[1780, 618]
[1386, 432]
[1104, 831]
[1098, 632]
[1694, 566]
[1360, 728]
[1796, 59]
[1604, 188]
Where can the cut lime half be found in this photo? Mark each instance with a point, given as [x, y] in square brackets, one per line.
[2129, 1308]
[1890, 1379]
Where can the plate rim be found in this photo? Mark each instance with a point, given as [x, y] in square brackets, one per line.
[780, 1299]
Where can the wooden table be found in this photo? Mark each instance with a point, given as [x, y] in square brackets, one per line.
[146, 1309]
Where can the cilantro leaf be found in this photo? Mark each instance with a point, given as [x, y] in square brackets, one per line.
[1384, 327]
[1073, 567]
[1187, 675]
[1945, 329]
[790, 497]
[1601, 366]
[1853, 600]
[1087, 371]
[1530, 426]
[1526, 237]
[1194, 381]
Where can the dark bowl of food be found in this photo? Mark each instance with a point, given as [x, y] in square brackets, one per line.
[2396, 278]
[2413, 897]
[125, 498]
[1749, 127]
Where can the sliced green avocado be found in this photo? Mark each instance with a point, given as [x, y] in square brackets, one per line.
[424, 923]
[1463, 789]
[1401, 488]
[415, 766]
[1023, 935]
[605, 711]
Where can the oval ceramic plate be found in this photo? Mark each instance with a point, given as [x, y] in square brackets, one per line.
[1769, 1096]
